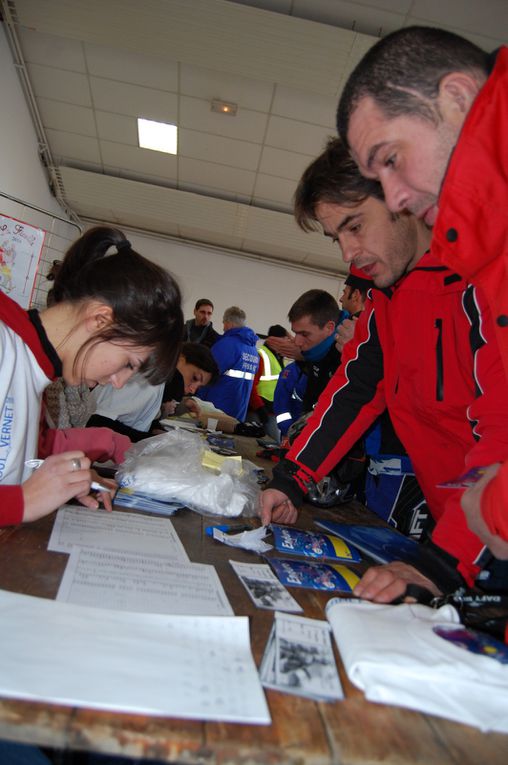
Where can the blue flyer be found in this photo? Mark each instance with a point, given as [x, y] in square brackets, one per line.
[381, 543]
[312, 544]
[314, 576]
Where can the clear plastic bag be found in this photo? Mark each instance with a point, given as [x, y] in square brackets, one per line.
[169, 467]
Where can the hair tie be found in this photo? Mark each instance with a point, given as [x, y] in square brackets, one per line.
[123, 245]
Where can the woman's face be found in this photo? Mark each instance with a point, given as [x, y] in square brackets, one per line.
[106, 362]
[193, 376]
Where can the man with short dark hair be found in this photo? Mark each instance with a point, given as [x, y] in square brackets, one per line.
[425, 349]
[354, 293]
[425, 112]
[314, 317]
[200, 328]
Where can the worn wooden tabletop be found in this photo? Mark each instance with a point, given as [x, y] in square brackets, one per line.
[303, 732]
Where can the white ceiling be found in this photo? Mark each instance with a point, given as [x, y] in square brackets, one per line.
[93, 66]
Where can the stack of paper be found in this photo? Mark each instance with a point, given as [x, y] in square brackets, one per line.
[178, 666]
[299, 659]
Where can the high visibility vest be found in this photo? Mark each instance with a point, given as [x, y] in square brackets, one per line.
[271, 372]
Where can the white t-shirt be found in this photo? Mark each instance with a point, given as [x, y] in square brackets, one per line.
[137, 404]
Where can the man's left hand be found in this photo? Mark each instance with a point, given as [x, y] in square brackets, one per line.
[382, 584]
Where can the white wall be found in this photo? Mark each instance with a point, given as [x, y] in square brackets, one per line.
[22, 175]
[264, 291]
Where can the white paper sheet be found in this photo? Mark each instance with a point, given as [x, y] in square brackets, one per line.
[128, 532]
[179, 666]
[138, 582]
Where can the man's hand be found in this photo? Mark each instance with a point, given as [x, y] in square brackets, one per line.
[345, 332]
[471, 504]
[285, 346]
[277, 507]
[382, 584]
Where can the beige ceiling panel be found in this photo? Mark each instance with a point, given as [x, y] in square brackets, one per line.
[117, 127]
[215, 34]
[67, 117]
[72, 146]
[490, 17]
[286, 164]
[217, 239]
[344, 13]
[214, 148]
[60, 84]
[300, 137]
[160, 203]
[144, 161]
[134, 100]
[136, 68]
[206, 84]
[216, 176]
[51, 50]
[246, 125]
[207, 191]
[269, 190]
[300, 105]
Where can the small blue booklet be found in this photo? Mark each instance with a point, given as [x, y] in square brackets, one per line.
[130, 498]
[314, 576]
[312, 544]
[381, 543]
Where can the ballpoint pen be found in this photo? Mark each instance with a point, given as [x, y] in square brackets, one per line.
[36, 463]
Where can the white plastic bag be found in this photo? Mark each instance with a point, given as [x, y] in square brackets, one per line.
[169, 467]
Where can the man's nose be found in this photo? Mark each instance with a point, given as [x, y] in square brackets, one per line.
[396, 194]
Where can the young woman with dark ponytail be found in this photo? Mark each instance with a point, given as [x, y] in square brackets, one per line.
[114, 313]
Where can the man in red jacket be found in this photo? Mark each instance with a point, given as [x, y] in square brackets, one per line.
[425, 349]
[426, 113]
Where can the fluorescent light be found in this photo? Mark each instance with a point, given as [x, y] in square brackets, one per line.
[158, 136]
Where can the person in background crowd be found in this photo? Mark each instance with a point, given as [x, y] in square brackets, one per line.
[288, 396]
[132, 409]
[237, 359]
[200, 328]
[113, 315]
[265, 381]
[425, 113]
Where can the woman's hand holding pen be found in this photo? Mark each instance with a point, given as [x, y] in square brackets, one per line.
[276, 507]
[59, 478]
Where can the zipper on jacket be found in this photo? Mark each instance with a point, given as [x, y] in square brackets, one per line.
[439, 359]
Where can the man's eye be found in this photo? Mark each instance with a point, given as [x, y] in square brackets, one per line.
[390, 161]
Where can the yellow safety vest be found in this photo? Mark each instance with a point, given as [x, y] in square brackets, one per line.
[271, 372]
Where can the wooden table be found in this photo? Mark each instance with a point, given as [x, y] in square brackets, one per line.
[303, 732]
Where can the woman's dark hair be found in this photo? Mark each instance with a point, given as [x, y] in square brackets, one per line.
[201, 357]
[144, 298]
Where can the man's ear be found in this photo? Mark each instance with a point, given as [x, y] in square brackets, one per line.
[98, 316]
[457, 91]
[330, 327]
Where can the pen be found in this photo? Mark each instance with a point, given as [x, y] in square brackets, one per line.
[36, 463]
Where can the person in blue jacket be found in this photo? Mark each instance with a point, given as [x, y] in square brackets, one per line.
[288, 396]
[237, 358]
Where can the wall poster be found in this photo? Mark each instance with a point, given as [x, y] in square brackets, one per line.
[20, 252]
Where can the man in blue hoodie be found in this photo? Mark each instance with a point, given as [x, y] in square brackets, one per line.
[237, 358]
[314, 318]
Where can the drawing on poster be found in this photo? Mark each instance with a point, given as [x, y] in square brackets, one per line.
[20, 251]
